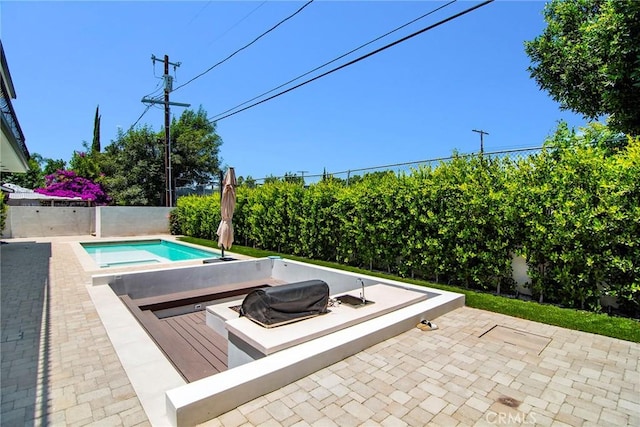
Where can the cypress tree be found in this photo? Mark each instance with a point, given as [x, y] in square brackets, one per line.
[95, 146]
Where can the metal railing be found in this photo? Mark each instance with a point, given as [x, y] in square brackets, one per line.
[9, 117]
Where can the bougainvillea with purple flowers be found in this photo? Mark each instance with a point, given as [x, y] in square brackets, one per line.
[65, 183]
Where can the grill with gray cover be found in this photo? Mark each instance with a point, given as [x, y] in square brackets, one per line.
[279, 305]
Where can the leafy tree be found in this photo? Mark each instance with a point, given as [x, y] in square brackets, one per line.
[248, 182]
[271, 179]
[86, 163]
[34, 177]
[293, 178]
[588, 59]
[329, 177]
[195, 148]
[51, 166]
[69, 184]
[133, 166]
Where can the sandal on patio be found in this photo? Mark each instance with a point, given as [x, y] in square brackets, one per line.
[426, 325]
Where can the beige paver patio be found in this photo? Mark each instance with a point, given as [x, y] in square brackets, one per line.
[63, 369]
[59, 367]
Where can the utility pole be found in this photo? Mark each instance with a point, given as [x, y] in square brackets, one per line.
[482, 133]
[302, 173]
[168, 87]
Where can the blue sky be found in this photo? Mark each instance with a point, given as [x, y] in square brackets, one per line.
[417, 100]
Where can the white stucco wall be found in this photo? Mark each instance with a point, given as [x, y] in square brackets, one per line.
[104, 221]
[131, 220]
[520, 274]
[46, 221]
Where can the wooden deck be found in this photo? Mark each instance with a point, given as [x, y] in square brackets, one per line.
[194, 349]
[202, 340]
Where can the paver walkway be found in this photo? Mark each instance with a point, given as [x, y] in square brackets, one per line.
[59, 368]
[454, 377]
[58, 365]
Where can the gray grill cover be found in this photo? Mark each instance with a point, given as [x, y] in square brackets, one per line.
[288, 303]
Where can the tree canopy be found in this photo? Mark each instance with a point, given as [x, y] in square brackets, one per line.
[132, 169]
[133, 165]
[35, 175]
[588, 59]
[195, 148]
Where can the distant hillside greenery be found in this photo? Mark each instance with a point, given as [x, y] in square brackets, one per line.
[572, 211]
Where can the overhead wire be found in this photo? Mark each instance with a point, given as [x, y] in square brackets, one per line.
[336, 59]
[237, 23]
[158, 86]
[245, 46]
[141, 115]
[199, 12]
[333, 70]
[148, 105]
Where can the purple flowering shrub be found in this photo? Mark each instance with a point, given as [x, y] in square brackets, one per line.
[66, 183]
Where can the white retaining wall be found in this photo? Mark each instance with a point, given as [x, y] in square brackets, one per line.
[104, 221]
[131, 220]
[47, 221]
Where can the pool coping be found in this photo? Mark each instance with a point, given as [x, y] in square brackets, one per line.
[142, 252]
[148, 369]
[90, 266]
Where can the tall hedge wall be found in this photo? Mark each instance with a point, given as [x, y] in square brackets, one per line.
[573, 212]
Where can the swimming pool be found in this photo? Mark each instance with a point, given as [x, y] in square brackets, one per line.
[119, 254]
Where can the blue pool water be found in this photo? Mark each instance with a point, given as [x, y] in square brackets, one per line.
[120, 254]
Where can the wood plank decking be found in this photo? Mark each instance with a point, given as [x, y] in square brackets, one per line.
[194, 349]
[203, 341]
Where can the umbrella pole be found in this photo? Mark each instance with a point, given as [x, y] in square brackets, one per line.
[222, 250]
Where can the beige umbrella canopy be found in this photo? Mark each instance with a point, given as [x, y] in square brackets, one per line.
[227, 206]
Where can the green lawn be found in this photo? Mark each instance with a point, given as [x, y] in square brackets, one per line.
[601, 324]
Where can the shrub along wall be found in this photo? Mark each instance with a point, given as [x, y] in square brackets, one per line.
[573, 212]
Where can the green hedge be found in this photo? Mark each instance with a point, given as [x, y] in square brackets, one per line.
[573, 212]
[3, 213]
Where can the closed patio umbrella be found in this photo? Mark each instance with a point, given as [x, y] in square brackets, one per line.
[227, 206]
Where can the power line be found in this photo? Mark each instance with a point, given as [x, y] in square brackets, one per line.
[247, 45]
[156, 89]
[143, 113]
[430, 27]
[336, 59]
[237, 23]
[416, 162]
[199, 12]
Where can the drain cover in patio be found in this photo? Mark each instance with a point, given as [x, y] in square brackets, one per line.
[520, 340]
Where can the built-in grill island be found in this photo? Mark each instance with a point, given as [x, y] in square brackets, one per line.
[301, 312]
[280, 305]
